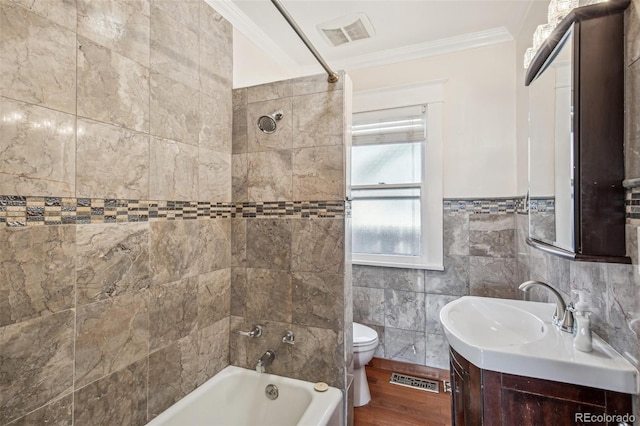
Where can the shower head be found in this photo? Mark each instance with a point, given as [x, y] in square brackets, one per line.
[267, 123]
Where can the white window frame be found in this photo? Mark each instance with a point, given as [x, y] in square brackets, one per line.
[431, 95]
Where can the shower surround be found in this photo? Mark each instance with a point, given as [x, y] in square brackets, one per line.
[119, 225]
[290, 269]
[114, 295]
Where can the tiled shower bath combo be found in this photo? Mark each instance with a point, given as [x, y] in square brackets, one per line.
[121, 231]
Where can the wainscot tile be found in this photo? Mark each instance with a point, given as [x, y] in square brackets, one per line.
[269, 243]
[173, 312]
[317, 245]
[437, 351]
[368, 305]
[453, 280]
[403, 279]
[492, 235]
[117, 399]
[368, 276]
[404, 345]
[238, 292]
[318, 300]
[37, 276]
[30, 378]
[110, 335]
[173, 373]
[112, 260]
[404, 310]
[57, 413]
[492, 277]
[213, 349]
[269, 295]
[214, 297]
[433, 305]
[318, 355]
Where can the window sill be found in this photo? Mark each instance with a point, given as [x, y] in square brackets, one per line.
[398, 265]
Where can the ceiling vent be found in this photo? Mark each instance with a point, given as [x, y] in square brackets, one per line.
[347, 29]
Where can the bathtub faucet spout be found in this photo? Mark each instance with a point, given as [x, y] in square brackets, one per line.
[265, 360]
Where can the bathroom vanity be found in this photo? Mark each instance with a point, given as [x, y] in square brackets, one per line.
[484, 397]
[511, 366]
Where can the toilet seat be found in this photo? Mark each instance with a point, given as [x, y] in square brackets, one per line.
[364, 337]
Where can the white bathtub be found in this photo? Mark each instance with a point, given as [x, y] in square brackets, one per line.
[236, 397]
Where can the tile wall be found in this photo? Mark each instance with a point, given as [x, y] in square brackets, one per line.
[114, 296]
[289, 271]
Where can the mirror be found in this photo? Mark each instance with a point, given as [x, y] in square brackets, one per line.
[551, 165]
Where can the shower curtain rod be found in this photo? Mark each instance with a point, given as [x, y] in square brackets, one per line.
[333, 76]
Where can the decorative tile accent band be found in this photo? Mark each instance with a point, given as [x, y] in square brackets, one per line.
[547, 205]
[632, 203]
[33, 211]
[482, 205]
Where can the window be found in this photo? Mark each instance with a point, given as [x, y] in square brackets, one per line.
[396, 187]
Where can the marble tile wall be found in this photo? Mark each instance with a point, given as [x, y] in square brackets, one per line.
[403, 305]
[109, 319]
[288, 272]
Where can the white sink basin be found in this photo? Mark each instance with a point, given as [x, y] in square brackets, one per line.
[494, 323]
[517, 337]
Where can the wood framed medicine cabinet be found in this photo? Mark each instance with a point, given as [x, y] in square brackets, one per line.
[576, 137]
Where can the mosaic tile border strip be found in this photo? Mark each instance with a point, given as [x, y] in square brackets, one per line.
[34, 211]
[543, 205]
[482, 205]
[632, 203]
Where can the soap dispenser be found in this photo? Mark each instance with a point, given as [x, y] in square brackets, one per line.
[582, 340]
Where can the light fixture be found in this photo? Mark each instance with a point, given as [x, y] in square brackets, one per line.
[557, 10]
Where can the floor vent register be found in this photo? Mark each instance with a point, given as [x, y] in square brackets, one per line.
[415, 382]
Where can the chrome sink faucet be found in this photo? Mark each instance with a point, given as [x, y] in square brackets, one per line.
[265, 360]
[563, 316]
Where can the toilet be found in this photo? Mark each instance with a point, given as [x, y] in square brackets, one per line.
[365, 342]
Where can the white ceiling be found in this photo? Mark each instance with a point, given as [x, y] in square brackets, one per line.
[403, 29]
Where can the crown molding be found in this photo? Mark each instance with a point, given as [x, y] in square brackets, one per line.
[428, 49]
[241, 22]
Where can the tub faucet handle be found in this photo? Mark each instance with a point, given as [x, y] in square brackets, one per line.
[255, 332]
[289, 338]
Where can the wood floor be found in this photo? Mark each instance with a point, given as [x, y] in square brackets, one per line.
[394, 405]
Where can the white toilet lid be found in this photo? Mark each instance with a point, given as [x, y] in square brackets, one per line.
[363, 334]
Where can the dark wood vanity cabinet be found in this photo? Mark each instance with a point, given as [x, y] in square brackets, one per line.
[482, 397]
